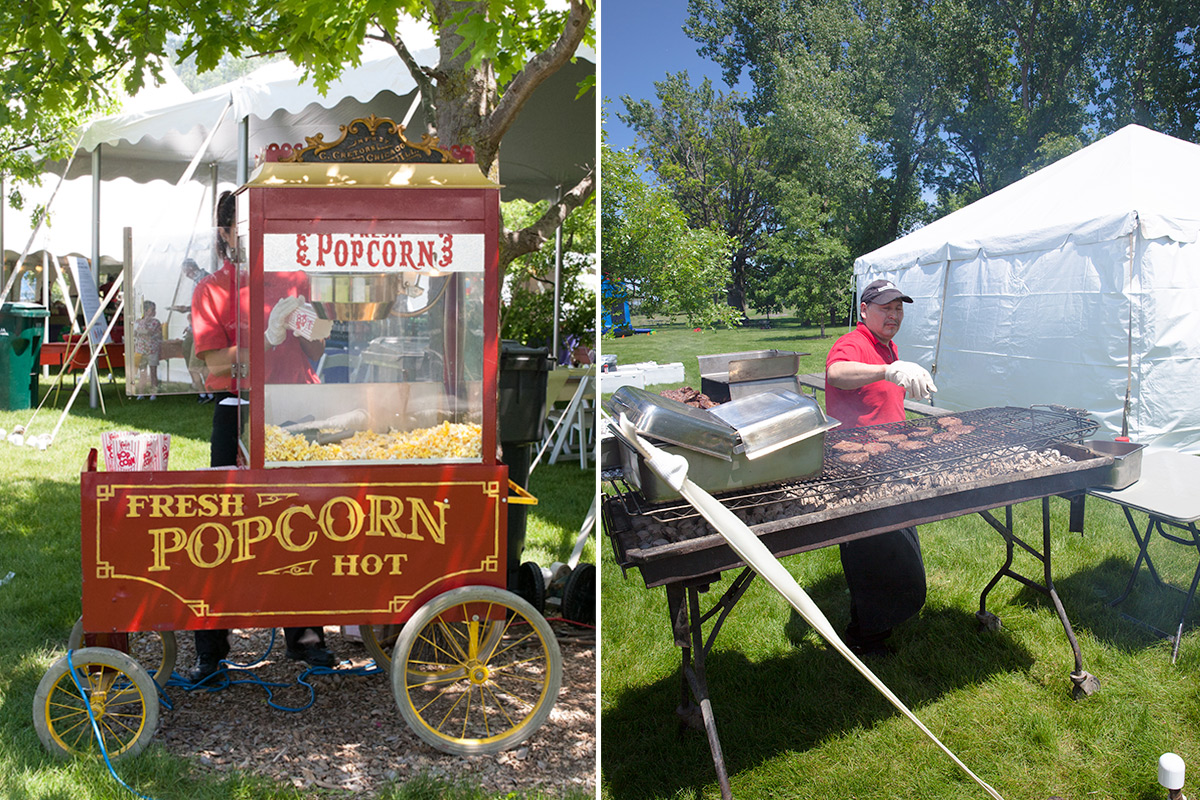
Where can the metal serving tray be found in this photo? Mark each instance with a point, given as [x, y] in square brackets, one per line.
[774, 436]
[657, 417]
[1127, 461]
[774, 419]
[750, 365]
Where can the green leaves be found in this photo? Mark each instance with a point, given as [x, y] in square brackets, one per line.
[527, 312]
[647, 247]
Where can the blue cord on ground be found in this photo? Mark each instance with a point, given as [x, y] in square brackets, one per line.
[216, 682]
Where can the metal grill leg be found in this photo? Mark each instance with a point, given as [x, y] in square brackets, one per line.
[1085, 684]
[687, 621]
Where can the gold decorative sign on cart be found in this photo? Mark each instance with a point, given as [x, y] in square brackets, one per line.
[373, 140]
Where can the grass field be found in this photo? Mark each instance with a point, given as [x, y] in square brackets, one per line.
[796, 721]
[40, 544]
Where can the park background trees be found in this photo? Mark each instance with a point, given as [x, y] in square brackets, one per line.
[859, 120]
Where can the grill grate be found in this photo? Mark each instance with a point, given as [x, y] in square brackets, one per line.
[999, 435]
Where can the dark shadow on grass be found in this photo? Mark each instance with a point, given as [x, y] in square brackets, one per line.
[1086, 595]
[792, 702]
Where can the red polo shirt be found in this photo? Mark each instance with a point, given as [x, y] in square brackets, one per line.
[873, 404]
[215, 318]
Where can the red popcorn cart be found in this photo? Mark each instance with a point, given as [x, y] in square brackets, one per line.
[368, 489]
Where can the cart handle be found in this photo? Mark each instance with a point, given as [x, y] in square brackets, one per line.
[519, 496]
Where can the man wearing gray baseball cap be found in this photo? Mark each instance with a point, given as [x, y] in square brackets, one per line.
[866, 384]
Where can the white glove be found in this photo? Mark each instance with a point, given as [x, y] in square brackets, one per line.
[913, 378]
[277, 322]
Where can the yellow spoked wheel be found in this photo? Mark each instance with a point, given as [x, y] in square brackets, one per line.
[118, 691]
[154, 650]
[380, 641]
[476, 671]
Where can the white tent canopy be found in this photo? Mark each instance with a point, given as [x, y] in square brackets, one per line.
[1073, 286]
[552, 143]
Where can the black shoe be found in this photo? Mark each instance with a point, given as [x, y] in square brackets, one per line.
[205, 667]
[875, 650]
[315, 656]
[871, 646]
[204, 398]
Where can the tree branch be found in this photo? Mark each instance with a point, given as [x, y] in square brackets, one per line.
[531, 239]
[424, 83]
[536, 70]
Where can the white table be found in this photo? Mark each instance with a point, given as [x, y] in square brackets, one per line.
[1168, 492]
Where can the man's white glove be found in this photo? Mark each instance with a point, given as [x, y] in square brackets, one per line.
[913, 378]
[277, 322]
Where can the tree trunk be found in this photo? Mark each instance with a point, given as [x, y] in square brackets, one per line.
[470, 111]
[465, 97]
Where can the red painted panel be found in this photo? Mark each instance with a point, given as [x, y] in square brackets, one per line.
[308, 546]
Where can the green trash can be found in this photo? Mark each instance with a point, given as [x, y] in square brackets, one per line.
[20, 345]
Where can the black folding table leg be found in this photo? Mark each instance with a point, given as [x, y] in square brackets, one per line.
[1143, 555]
[1191, 593]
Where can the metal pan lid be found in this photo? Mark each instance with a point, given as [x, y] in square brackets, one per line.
[670, 421]
[770, 420]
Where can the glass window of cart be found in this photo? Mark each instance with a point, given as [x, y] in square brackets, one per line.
[374, 347]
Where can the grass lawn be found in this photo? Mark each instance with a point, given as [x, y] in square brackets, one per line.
[796, 721]
[40, 544]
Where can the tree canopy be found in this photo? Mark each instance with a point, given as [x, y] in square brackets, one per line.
[66, 59]
[876, 116]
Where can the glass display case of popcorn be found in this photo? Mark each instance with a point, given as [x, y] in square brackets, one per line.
[375, 341]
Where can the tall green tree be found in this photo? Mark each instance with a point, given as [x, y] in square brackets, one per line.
[647, 247]
[64, 60]
[492, 56]
[1148, 67]
[870, 65]
[1022, 77]
[716, 167]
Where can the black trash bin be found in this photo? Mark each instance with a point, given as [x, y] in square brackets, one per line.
[520, 412]
[20, 345]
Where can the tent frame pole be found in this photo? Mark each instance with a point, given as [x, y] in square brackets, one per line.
[937, 347]
[93, 383]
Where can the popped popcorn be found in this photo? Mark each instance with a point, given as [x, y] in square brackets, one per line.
[447, 440]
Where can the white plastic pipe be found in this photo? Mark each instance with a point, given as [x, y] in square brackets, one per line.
[673, 469]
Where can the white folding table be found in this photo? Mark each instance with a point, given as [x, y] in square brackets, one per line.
[1168, 492]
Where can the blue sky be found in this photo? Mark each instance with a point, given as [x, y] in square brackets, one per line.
[640, 42]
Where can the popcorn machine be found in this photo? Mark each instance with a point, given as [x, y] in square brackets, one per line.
[369, 491]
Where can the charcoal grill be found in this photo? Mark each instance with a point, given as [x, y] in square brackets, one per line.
[1012, 455]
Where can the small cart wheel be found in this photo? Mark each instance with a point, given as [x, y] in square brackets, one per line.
[155, 651]
[531, 585]
[379, 641]
[482, 671]
[119, 693]
[579, 595]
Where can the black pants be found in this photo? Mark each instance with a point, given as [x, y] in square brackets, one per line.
[214, 645]
[886, 576]
[226, 430]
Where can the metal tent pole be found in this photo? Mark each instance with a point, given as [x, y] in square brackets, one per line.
[557, 289]
[93, 383]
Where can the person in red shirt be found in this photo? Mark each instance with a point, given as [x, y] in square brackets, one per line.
[215, 304]
[865, 384]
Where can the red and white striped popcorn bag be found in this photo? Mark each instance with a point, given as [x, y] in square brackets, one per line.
[130, 451]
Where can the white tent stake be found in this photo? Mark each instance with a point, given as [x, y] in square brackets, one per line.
[673, 469]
